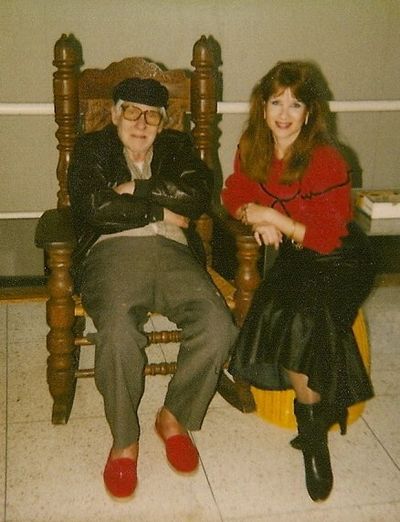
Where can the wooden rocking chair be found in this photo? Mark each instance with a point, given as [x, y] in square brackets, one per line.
[82, 100]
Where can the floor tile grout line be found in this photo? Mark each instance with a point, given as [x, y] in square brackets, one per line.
[381, 443]
[396, 465]
[211, 489]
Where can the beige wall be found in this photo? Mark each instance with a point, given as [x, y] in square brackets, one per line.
[356, 42]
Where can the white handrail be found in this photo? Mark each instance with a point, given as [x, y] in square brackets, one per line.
[335, 106]
[26, 108]
[20, 215]
[222, 107]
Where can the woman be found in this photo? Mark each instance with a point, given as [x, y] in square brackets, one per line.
[291, 184]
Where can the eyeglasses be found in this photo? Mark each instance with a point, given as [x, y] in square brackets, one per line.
[133, 113]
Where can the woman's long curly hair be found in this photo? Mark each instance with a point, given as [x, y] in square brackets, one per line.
[307, 85]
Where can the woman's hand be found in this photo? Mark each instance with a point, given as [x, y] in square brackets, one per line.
[267, 234]
[258, 216]
[253, 214]
[269, 225]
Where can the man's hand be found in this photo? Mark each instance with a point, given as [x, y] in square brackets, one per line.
[125, 188]
[175, 219]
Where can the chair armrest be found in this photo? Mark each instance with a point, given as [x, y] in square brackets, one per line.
[55, 229]
[55, 235]
[235, 228]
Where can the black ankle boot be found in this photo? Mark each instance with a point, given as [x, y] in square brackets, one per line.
[314, 445]
[333, 415]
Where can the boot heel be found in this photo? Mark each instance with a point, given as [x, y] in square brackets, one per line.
[342, 420]
[336, 415]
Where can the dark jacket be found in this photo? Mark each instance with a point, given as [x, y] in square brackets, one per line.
[180, 182]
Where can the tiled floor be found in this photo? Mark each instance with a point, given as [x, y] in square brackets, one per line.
[248, 471]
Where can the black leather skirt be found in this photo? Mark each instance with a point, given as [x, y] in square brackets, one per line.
[301, 319]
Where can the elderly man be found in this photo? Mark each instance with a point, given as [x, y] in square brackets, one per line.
[135, 189]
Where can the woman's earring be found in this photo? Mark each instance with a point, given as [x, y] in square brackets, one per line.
[306, 120]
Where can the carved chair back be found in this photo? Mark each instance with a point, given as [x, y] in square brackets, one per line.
[82, 101]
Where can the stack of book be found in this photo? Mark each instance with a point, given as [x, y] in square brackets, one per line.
[378, 211]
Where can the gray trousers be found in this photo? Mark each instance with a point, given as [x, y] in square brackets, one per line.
[124, 279]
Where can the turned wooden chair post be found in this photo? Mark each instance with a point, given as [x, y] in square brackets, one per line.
[247, 277]
[67, 59]
[62, 361]
[203, 100]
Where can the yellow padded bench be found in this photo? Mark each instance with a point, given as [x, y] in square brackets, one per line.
[276, 407]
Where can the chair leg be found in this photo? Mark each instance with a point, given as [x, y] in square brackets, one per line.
[63, 360]
[247, 279]
[237, 393]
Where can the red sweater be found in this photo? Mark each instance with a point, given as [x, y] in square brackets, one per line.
[321, 200]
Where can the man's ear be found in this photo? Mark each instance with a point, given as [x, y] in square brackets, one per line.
[160, 127]
[115, 115]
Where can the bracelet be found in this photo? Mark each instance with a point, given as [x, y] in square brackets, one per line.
[296, 244]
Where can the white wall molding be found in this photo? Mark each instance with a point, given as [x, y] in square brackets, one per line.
[335, 106]
[26, 108]
[20, 215]
[223, 107]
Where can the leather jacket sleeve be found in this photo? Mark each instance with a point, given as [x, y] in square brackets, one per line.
[180, 182]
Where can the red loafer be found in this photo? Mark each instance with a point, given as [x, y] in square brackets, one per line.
[181, 452]
[120, 477]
